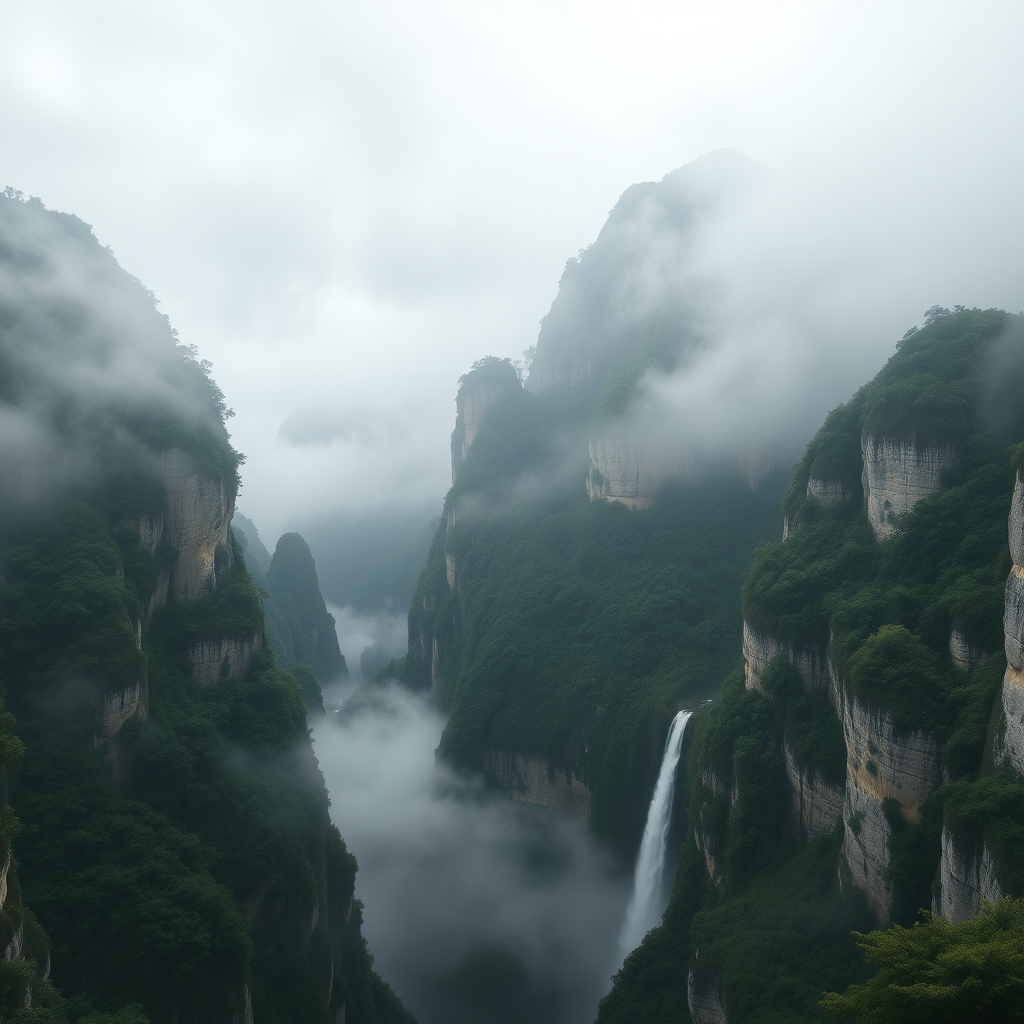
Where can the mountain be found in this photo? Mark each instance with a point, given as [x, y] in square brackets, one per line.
[172, 840]
[299, 627]
[867, 760]
[561, 618]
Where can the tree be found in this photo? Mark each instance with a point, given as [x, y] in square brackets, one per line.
[937, 972]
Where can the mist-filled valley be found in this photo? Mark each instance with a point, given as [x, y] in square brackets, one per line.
[540, 540]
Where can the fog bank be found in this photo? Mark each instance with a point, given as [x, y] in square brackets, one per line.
[476, 908]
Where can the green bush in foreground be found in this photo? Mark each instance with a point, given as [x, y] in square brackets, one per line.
[937, 972]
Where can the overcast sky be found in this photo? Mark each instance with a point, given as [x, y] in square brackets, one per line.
[344, 204]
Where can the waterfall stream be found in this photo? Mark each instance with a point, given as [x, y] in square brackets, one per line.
[645, 906]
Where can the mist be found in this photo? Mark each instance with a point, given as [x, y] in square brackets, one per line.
[476, 907]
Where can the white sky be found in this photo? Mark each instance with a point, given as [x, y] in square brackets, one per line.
[345, 204]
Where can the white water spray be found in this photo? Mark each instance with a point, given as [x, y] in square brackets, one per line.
[645, 906]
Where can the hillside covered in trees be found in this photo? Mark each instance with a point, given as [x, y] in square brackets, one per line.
[167, 843]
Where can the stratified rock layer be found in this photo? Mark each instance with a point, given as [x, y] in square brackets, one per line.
[898, 473]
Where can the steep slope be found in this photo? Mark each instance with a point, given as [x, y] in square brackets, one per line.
[854, 772]
[176, 843]
[299, 628]
[584, 577]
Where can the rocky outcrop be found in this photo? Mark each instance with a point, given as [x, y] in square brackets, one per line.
[1008, 744]
[1008, 748]
[219, 659]
[760, 647]
[967, 876]
[704, 994]
[707, 841]
[883, 763]
[117, 706]
[827, 492]
[534, 781]
[196, 521]
[817, 805]
[1016, 522]
[630, 470]
[898, 473]
[471, 405]
[966, 654]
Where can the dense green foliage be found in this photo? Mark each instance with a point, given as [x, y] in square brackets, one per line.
[576, 626]
[183, 856]
[941, 973]
[884, 611]
[778, 926]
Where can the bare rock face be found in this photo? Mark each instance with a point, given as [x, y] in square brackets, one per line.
[760, 647]
[219, 659]
[630, 470]
[117, 706]
[966, 654]
[471, 406]
[196, 522]
[1008, 746]
[817, 804]
[1013, 617]
[827, 492]
[882, 763]
[898, 473]
[703, 836]
[1016, 523]
[533, 781]
[704, 994]
[967, 876]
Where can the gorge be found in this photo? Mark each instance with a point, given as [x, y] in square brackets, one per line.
[636, 646]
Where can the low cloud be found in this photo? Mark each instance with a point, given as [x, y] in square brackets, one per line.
[476, 907]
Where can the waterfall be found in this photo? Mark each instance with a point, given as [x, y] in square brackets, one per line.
[645, 906]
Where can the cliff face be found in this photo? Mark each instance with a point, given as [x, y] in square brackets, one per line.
[967, 876]
[489, 381]
[817, 804]
[898, 473]
[196, 522]
[883, 763]
[760, 647]
[213, 660]
[119, 587]
[534, 781]
[631, 470]
[704, 994]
